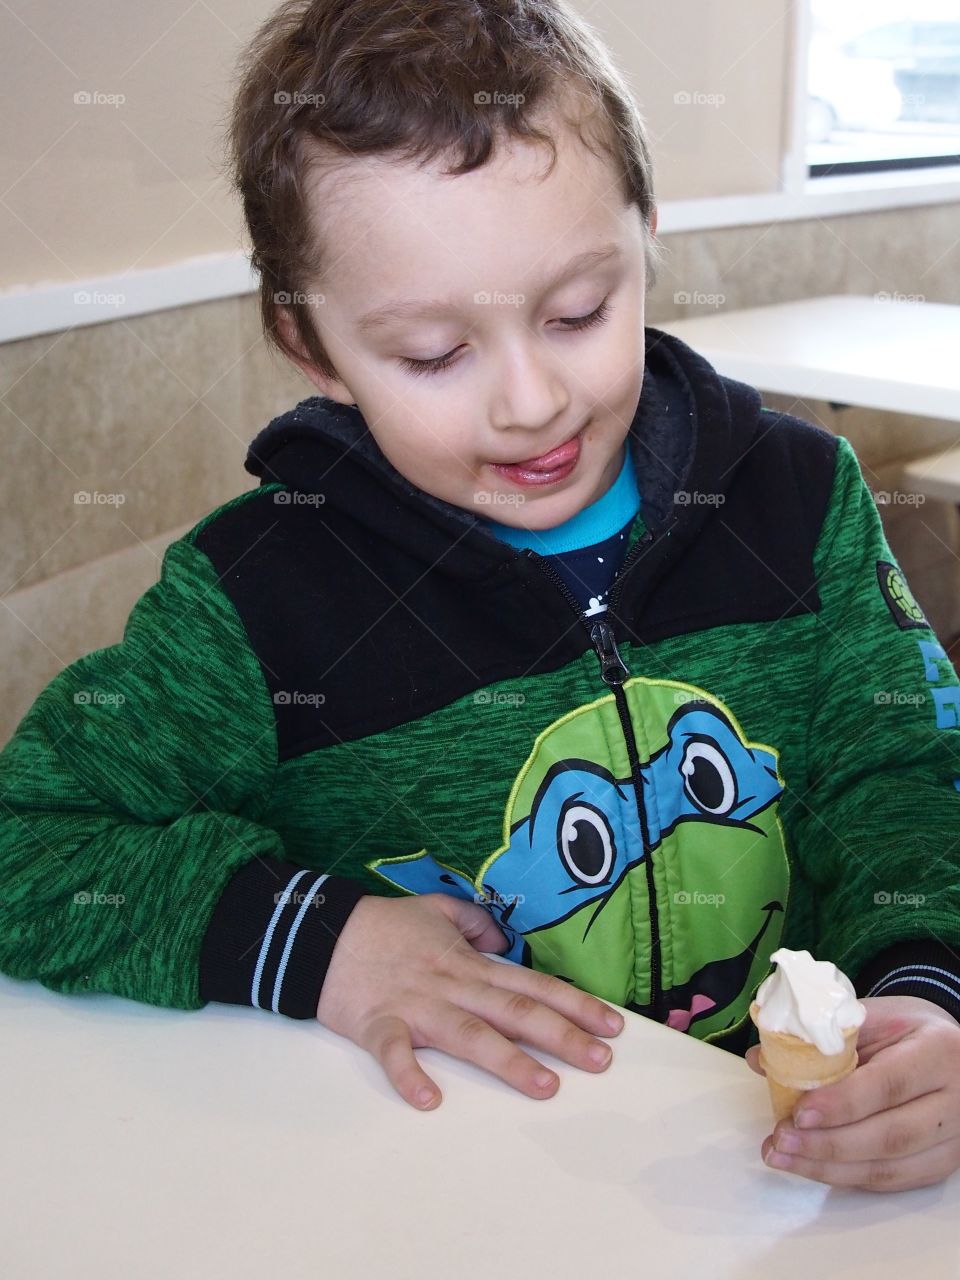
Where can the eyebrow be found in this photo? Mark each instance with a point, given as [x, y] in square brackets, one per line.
[382, 316]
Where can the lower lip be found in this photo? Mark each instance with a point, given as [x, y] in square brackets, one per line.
[562, 463]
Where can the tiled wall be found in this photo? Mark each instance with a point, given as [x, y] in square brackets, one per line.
[158, 410]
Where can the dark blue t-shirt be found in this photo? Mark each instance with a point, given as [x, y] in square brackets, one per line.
[588, 549]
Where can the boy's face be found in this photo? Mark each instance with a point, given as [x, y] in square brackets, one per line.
[522, 379]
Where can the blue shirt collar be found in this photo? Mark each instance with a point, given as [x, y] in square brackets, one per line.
[595, 523]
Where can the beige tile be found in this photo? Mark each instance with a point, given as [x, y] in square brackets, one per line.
[757, 265]
[45, 627]
[143, 412]
[912, 252]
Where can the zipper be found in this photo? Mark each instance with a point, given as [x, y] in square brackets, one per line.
[614, 671]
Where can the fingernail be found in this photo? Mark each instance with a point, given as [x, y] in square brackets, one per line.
[808, 1119]
[600, 1054]
[543, 1079]
[788, 1142]
[425, 1096]
[776, 1160]
[614, 1022]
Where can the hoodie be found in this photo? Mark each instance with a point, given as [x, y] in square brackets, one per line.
[342, 685]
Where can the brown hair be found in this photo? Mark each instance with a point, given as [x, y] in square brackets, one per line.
[338, 79]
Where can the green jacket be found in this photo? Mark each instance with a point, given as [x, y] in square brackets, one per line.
[342, 685]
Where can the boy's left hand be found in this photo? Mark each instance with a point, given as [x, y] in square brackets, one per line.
[894, 1123]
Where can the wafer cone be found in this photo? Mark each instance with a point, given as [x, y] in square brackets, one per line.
[793, 1065]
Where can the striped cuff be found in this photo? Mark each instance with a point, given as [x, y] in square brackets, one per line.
[930, 970]
[271, 936]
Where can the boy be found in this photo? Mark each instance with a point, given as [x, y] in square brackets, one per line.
[538, 637]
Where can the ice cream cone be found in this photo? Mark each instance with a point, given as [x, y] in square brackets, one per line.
[793, 1065]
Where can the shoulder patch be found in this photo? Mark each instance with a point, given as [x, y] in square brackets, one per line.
[907, 614]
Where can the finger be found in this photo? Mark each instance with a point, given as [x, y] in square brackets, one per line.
[919, 1170]
[888, 1135]
[475, 923]
[520, 1016]
[464, 1035]
[890, 1079]
[752, 1058]
[575, 1005]
[388, 1039]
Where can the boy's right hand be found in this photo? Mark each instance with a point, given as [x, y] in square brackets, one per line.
[408, 973]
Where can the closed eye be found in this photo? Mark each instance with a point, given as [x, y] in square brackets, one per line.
[575, 324]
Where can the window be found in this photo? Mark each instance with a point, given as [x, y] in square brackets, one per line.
[883, 85]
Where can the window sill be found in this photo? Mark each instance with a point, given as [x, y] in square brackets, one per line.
[817, 198]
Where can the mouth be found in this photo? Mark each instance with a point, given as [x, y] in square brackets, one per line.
[549, 468]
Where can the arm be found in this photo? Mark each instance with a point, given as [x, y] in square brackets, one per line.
[132, 856]
[878, 830]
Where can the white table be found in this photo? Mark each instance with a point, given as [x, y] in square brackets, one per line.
[224, 1143]
[900, 356]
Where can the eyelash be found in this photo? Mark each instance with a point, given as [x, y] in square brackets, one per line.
[574, 326]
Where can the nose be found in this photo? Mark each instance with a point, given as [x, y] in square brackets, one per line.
[530, 392]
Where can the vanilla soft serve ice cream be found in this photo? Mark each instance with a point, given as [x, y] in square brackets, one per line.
[810, 999]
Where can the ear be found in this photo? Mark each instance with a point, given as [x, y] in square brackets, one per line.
[332, 388]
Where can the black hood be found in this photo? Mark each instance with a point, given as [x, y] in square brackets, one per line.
[690, 432]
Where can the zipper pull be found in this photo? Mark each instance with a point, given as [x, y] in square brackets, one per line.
[613, 669]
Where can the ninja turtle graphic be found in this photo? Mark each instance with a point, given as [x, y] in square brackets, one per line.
[684, 884]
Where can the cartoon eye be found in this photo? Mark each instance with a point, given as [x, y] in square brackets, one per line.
[708, 778]
[586, 843]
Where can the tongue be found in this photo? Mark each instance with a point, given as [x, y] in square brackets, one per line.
[549, 461]
[680, 1019]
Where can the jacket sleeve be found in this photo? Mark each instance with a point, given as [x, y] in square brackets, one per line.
[133, 857]
[877, 832]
